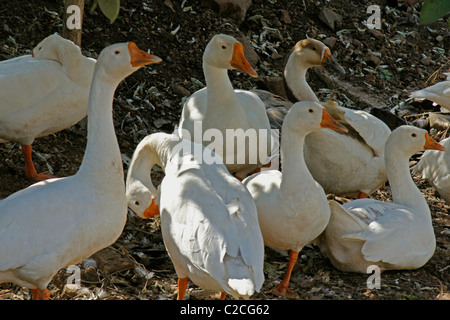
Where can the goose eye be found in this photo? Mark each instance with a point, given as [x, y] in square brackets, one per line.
[116, 52]
[311, 110]
[39, 49]
[413, 135]
[224, 47]
[137, 203]
[314, 48]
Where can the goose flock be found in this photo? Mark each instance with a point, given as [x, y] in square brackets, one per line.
[219, 204]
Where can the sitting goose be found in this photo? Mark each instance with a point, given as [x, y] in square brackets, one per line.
[354, 162]
[43, 94]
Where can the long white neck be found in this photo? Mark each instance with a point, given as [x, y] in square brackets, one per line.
[220, 93]
[294, 168]
[102, 157]
[404, 190]
[151, 151]
[295, 80]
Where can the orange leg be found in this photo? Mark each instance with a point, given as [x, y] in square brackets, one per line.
[30, 170]
[283, 288]
[39, 294]
[223, 295]
[182, 286]
[362, 195]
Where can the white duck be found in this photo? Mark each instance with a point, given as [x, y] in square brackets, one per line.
[61, 221]
[434, 166]
[438, 93]
[354, 162]
[219, 107]
[43, 95]
[209, 221]
[292, 207]
[391, 235]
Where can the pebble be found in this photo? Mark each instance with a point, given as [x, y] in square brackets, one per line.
[426, 61]
[372, 60]
[330, 42]
[356, 43]
[6, 28]
[330, 18]
[179, 90]
[377, 34]
[285, 17]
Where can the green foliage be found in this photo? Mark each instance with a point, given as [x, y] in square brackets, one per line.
[384, 74]
[110, 8]
[432, 10]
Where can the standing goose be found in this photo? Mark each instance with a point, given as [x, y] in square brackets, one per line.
[224, 110]
[292, 207]
[434, 166]
[391, 235]
[354, 162]
[43, 95]
[209, 221]
[61, 221]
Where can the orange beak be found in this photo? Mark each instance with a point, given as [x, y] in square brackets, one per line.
[141, 58]
[431, 144]
[152, 210]
[328, 59]
[239, 61]
[329, 123]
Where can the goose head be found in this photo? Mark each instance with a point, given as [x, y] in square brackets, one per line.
[225, 52]
[309, 116]
[55, 47]
[310, 52]
[141, 200]
[122, 59]
[410, 140]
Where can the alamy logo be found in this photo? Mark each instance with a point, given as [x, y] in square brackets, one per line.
[74, 20]
[374, 281]
[251, 146]
[75, 277]
[374, 21]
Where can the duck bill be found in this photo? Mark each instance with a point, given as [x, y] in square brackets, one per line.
[329, 60]
[329, 123]
[431, 144]
[152, 210]
[238, 61]
[141, 58]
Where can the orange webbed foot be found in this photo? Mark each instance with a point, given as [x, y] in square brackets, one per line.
[30, 170]
[39, 294]
[283, 291]
[41, 176]
[362, 195]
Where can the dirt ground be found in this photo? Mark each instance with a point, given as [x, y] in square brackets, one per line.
[383, 65]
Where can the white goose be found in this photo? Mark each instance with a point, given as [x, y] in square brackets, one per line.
[209, 221]
[219, 107]
[392, 235]
[438, 93]
[61, 221]
[354, 162]
[292, 207]
[434, 166]
[43, 95]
